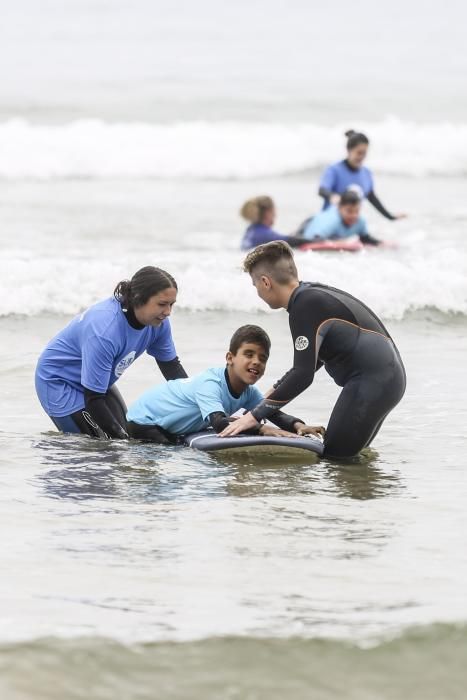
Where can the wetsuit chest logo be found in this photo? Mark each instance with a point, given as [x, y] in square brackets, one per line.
[301, 343]
[124, 363]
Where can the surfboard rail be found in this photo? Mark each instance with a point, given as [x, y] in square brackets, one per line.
[209, 441]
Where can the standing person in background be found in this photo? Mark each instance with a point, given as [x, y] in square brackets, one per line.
[261, 213]
[352, 173]
[76, 372]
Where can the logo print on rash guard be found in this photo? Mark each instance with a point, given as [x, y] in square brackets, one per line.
[124, 363]
[301, 343]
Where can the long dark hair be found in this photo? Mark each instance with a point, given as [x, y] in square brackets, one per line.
[143, 285]
[355, 138]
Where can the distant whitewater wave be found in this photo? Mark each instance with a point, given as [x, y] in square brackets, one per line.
[393, 283]
[220, 150]
[422, 664]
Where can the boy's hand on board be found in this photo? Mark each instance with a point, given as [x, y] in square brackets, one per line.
[317, 430]
[239, 426]
[276, 432]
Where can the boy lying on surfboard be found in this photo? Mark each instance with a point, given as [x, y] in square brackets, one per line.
[209, 399]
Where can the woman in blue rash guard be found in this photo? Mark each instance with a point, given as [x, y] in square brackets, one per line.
[261, 213]
[352, 173]
[77, 371]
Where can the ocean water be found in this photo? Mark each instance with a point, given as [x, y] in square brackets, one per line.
[130, 134]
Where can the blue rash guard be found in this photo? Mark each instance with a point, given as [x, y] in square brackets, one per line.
[184, 405]
[339, 177]
[92, 352]
[328, 224]
[256, 234]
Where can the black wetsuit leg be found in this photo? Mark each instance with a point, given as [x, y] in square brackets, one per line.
[82, 422]
[150, 433]
[374, 389]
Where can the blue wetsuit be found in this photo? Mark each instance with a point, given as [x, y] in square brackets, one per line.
[256, 234]
[340, 176]
[79, 366]
[329, 224]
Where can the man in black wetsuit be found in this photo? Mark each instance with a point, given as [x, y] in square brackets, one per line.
[332, 328]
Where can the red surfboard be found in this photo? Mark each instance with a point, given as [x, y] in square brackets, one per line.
[345, 245]
[350, 245]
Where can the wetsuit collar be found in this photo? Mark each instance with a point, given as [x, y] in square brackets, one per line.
[132, 320]
[351, 167]
[293, 295]
[229, 385]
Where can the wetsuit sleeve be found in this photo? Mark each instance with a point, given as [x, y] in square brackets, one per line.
[294, 241]
[172, 369]
[305, 320]
[366, 239]
[284, 421]
[219, 421]
[98, 409]
[325, 193]
[373, 199]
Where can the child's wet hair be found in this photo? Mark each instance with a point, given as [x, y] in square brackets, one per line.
[250, 334]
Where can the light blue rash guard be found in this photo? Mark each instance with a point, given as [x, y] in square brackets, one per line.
[339, 177]
[92, 352]
[329, 224]
[183, 405]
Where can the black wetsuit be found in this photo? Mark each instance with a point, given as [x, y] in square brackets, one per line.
[332, 328]
[104, 415]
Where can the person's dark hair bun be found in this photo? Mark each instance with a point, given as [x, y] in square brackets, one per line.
[144, 284]
[355, 138]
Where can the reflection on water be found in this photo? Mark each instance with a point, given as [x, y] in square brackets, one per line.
[83, 468]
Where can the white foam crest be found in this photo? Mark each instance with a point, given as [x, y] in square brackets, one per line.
[97, 149]
[392, 283]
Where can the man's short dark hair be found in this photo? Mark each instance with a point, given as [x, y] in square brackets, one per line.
[274, 259]
[249, 334]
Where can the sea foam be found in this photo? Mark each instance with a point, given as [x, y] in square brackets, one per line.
[394, 283]
[220, 150]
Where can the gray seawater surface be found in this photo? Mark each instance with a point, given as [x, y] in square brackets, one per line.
[140, 542]
[135, 572]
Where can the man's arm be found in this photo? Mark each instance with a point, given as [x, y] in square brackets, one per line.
[305, 320]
